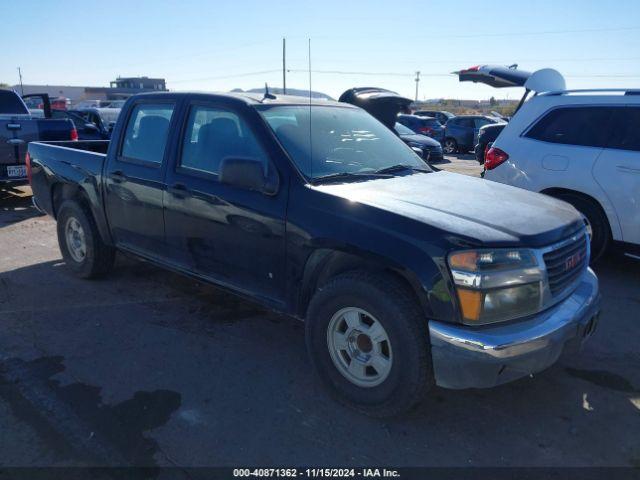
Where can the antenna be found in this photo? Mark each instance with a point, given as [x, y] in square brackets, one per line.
[310, 140]
[284, 66]
[266, 93]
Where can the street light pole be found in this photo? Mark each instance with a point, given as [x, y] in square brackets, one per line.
[21, 87]
[417, 82]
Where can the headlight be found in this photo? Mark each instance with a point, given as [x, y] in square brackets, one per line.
[496, 285]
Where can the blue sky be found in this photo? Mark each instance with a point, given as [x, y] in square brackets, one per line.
[207, 45]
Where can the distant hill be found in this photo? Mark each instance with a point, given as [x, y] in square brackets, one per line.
[290, 91]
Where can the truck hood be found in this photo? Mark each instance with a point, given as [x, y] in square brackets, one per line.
[472, 208]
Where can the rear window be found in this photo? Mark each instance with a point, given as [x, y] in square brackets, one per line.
[147, 130]
[585, 126]
[10, 102]
[626, 131]
[431, 122]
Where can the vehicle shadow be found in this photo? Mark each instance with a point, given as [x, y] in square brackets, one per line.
[244, 377]
[16, 205]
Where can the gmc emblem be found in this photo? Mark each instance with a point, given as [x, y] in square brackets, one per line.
[572, 261]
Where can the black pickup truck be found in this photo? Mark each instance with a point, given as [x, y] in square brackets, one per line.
[18, 128]
[406, 278]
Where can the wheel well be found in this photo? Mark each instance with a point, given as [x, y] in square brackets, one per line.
[61, 192]
[558, 192]
[325, 264]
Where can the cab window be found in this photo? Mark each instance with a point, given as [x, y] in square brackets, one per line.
[213, 134]
[146, 134]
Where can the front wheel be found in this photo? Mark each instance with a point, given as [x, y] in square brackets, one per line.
[368, 342]
[80, 243]
[450, 146]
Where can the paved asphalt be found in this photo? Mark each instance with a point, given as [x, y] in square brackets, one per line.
[149, 368]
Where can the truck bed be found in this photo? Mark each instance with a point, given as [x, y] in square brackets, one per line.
[66, 162]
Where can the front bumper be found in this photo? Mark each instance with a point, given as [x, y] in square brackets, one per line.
[481, 357]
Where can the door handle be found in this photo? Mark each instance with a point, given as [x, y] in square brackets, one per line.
[118, 176]
[179, 190]
[625, 168]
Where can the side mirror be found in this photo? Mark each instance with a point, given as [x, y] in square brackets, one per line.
[418, 151]
[90, 127]
[248, 173]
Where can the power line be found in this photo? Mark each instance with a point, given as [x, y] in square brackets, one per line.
[440, 34]
[222, 77]
[342, 72]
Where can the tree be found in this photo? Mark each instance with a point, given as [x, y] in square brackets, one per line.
[492, 101]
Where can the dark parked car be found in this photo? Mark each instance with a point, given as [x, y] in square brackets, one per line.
[86, 130]
[322, 213]
[103, 118]
[461, 132]
[428, 126]
[430, 148]
[441, 115]
[18, 127]
[486, 136]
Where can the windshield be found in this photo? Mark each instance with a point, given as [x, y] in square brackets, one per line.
[402, 130]
[109, 114]
[338, 141]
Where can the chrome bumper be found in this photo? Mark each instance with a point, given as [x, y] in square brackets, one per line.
[480, 357]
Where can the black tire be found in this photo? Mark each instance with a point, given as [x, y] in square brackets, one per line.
[99, 257]
[601, 232]
[411, 372]
[454, 146]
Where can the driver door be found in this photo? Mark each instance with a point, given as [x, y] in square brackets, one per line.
[232, 236]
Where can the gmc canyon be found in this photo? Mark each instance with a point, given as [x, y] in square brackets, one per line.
[406, 278]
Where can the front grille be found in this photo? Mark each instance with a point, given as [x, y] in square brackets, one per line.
[565, 263]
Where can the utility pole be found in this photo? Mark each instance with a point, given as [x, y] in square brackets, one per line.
[21, 87]
[417, 82]
[284, 66]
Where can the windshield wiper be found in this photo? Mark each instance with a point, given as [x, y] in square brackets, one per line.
[349, 176]
[401, 167]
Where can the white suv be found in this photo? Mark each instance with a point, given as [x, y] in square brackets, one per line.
[582, 147]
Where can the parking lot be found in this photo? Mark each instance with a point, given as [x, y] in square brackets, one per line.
[150, 368]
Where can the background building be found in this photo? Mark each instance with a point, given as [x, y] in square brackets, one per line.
[121, 88]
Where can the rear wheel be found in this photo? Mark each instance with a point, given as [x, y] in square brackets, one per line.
[450, 146]
[80, 243]
[595, 221]
[368, 341]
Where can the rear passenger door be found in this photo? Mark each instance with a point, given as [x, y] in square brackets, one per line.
[466, 135]
[567, 139]
[134, 178]
[230, 235]
[617, 170]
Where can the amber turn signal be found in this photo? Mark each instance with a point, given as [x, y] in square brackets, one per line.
[464, 260]
[470, 303]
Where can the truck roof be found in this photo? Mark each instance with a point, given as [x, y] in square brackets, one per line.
[252, 98]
